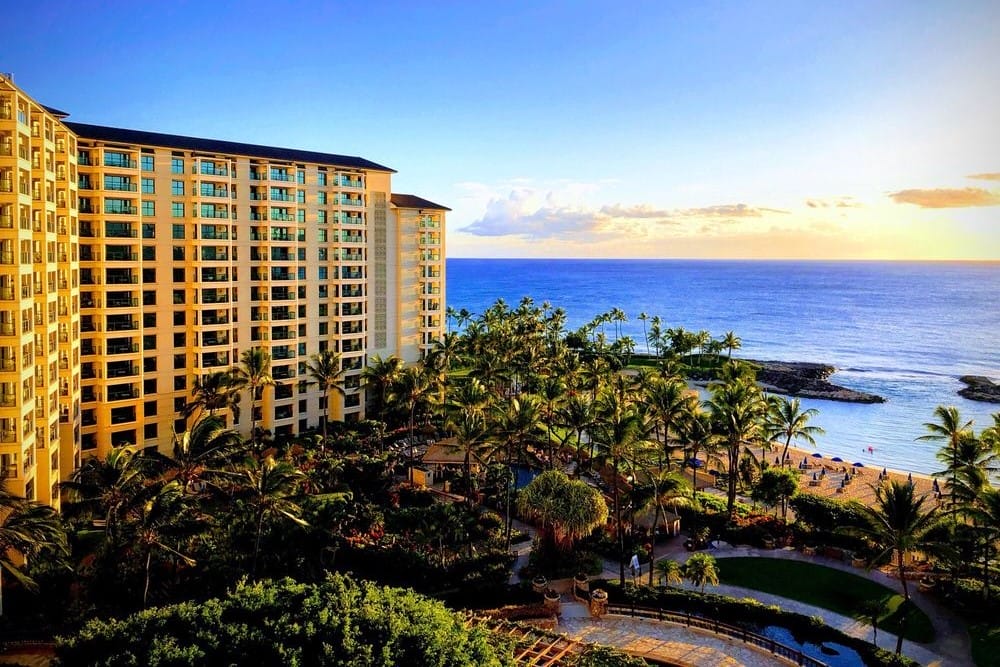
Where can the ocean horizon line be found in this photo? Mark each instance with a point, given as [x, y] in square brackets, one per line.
[734, 259]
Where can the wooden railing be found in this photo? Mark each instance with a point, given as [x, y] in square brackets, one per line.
[719, 628]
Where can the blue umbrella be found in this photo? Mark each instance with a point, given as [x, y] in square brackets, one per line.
[817, 455]
[859, 465]
[695, 463]
[837, 459]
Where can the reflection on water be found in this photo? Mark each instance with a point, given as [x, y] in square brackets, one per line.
[835, 654]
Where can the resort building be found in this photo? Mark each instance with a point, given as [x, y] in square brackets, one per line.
[134, 263]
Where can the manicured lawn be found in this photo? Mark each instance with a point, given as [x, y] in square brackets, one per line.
[838, 591]
[985, 643]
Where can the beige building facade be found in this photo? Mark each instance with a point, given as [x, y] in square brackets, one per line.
[134, 263]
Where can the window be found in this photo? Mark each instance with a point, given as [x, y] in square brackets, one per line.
[301, 176]
[148, 208]
[176, 165]
[149, 431]
[321, 216]
[322, 235]
[149, 275]
[323, 328]
[148, 230]
[178, 275]
[300, 196]
[149, 364]
[180, 361]
[178, 232]
[147, 163]
[177, 188]
[149, 253]
[321, 198]
[148, 186]
[149, 342]
[323, 254]
[179, 403]
[178, 253]
[178, 297]
[149, 409]
[180, 339]
[149, 387]
[322, 273]
[149, 320]
[321, 178]
[177, 209]
[180, 382]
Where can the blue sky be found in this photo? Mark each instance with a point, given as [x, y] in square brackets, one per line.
[664, 129]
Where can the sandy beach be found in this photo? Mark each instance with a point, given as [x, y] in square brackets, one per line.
[862, 482]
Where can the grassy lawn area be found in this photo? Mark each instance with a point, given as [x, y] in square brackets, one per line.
[985, 643]
[841, 592]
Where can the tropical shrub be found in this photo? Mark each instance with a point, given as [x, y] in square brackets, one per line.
[337, 622]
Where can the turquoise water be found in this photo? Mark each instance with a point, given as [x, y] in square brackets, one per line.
[905, 331]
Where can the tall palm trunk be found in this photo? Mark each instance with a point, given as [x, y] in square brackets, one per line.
[618, 522]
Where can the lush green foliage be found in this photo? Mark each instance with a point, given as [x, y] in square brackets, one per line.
[335, 622]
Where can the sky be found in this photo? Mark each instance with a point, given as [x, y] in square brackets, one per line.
[847, 130]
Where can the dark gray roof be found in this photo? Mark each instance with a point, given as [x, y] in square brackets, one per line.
[56, 112]
[413, 201]
[123, 136]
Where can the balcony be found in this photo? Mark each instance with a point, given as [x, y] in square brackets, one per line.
[124, 209]
[119, 369]
[118, 160]
[116, 324]
[113, 255]
[117, 231]
[123, 302]
[122, 393]
[119, 186]
[210, 169]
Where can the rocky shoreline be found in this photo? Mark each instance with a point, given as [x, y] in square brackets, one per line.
[808, 380]
[980, 388]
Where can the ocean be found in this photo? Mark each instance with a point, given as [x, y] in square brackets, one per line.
[903, 330]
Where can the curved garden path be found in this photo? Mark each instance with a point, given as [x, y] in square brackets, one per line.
[952, 645]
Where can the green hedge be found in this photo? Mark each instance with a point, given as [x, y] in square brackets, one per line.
[752, 615]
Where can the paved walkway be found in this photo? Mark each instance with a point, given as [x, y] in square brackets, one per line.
[662, 641]
[952, 645]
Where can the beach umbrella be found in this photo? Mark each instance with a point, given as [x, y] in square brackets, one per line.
[817, 455]
[858, 464]
[695, 463]
[837, 459]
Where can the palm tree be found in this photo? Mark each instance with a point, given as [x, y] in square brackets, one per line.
[645, 335]
[898, 524]
[378, 377]
[215, 391]
[268, 487]
[254, 373]
[737, 408]
[326, 370]
[786, 421]
[27, 529]
[199, 454]
[516, 424]
[951, 430]
[697, 437]
[471, 433]
[667, 402]
[671, 572]
[618, 431]
[104, 491]
[700, 569]
[410, 391]
[985, 513]
[731, 341]
[577, 414]
[161, 515]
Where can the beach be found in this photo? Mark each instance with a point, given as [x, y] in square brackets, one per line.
[863, 481]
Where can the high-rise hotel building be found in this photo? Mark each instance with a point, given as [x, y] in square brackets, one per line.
[133, 263]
